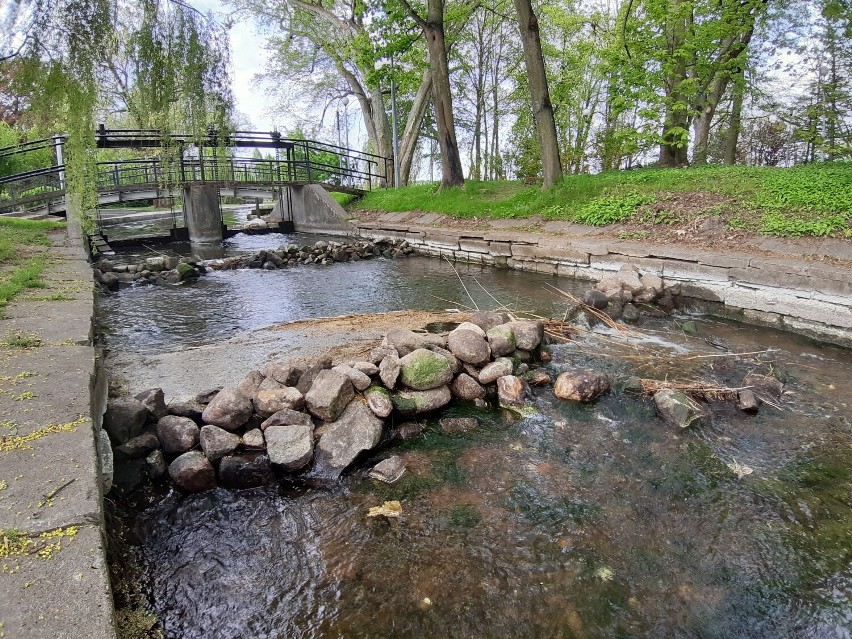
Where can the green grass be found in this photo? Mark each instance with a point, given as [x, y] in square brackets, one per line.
[343, 199]
[811, 200]
[17, 272]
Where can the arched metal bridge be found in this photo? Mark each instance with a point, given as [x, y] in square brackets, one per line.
[214, 161]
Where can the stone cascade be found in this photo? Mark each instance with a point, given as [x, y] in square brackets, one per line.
[169, 269]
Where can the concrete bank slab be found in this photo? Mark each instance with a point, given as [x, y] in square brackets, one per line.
[57, 585]
[808, 296]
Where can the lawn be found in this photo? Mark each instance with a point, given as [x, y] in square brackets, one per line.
[21, 258]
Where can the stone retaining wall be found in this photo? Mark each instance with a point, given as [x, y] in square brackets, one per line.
[812, 298]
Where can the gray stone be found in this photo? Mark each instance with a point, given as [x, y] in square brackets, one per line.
[307, 378]
[357, 430]
[330, 393]
[185, 408]
[380, 352]
[388, 470]
[764, 384]
[249, 386]
[156, 464]
[291, 447]
[193, 472]
[537, 377]
[287, 417]
[528, 334]
[500, 367]
[467, 388]
[379, 401]
[405, 340]
[229, 409]
[469, 347]
[154, 401]
[581, 385]
[217, 442]
[368, 368]
[470, 326]
[407, 430]
[285, 373]
[680, 410]
[596, 299]
[254, 438]
[177, 434]
[630, 314]
[389, 370]
[245, 470]
[488, 319]
[268, 384]
[511, 391]
[458, 424]
[124, 419]
[138, 446]
[411, 402]
[267, 403]
[747, 401]
[361, 381]
[501, 339]
[422, 369]
[206, 396]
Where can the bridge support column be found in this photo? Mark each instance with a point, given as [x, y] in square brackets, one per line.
[203, 214]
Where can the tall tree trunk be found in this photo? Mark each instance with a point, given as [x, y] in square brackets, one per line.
[442, 98]
[408, 142]
[542, 108]
[736, 119]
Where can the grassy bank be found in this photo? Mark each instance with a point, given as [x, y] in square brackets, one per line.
[21, 255]
[814, 200]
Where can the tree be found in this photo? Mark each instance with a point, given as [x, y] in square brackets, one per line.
[541, 106]
[433, 30]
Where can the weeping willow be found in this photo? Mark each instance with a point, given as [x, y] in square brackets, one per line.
[178, 73]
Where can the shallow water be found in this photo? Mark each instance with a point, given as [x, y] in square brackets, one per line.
[577, 521]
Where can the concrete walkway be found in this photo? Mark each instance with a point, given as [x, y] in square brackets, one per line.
[53, 573]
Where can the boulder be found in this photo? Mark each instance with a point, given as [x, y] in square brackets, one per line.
[511, 391]
[251, 383]
[291, 447]
[596, 299]
[500, 367]
[217, 442]
[466, 388]
[379, 401]
[380, 352]
[124, 418]
[193, 472]
[229, 409]
[245, 470]
[458, 424]
[501, 339]
[469, 347]
[411, 402]
[156, 464]
[422, 369]
[177, 434]
[488, 319]
[388, 470]
[269, 402]
[138, 446]
[285, 373]
[254, 439]
[185, 408]
[455, 364]
[470, 326]
[581, 385]
[206, 396]
[361, 381]
[154, 401]
[330, 393]
[405, 340]
[307, 378]
[389, 370]
[268, 384]
[357, 430]
[368, 368]
[630, 314]
[287, 417]
[528, 334]
[680, 410]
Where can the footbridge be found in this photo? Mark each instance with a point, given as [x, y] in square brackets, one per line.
[190, 176]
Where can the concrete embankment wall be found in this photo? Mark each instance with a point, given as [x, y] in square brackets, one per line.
[54, 579]
[810, 298]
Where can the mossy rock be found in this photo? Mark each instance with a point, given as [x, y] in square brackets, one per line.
[424, 370]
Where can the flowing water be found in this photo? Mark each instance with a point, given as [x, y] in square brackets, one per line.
[575, 521]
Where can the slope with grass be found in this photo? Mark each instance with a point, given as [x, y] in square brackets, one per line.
[811, 200]
[22, 261]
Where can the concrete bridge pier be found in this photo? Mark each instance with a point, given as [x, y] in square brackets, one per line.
[203, 213]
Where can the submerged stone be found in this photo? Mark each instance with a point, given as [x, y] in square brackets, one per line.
[245, 470]
[582, 385]
[680, 410]
[388, 470]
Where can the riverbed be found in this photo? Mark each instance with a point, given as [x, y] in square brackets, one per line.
[574, 521]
